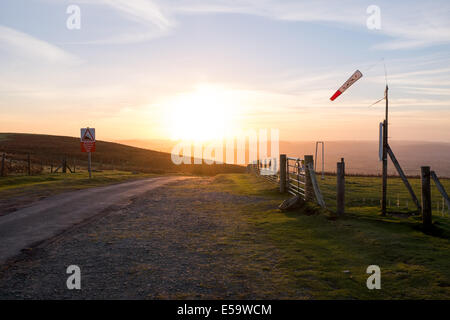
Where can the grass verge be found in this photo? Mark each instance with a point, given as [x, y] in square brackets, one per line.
[329, 258]
[60, 181]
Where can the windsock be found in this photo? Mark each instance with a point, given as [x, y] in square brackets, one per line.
[355, 77]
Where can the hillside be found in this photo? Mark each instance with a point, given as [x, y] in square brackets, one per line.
[48, 150]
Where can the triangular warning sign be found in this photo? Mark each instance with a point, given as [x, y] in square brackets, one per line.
[88, 135]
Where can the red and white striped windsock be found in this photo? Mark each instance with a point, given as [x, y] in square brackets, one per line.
[355, 77]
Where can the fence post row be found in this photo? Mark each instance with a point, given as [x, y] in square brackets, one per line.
[340, 194]
[64, 165]
[312, 190]
[426, 196]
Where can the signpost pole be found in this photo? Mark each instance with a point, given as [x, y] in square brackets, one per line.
[88, 145]
[89, 164]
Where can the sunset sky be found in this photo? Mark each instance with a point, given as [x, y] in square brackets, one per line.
[190, 68]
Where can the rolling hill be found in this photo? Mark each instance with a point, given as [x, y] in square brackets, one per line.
[49, 150]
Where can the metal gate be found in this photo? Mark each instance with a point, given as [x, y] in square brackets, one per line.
[295, 168]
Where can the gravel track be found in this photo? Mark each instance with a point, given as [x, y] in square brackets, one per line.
[179, 241]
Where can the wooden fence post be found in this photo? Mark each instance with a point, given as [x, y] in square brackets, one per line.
[282, 173]
[309, 189]
[64, 166]
[426, 197]
[3, 165]
[29, 165]
[340, 187]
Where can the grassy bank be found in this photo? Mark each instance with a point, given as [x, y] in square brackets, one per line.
[329, 258]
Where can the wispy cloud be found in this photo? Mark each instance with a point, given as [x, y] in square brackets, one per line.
[419, 25]
[25, 45]
[126, 38]
[149, 21]
[349, 12]
[141, 11]
[409, 24]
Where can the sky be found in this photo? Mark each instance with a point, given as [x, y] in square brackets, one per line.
[159, 69]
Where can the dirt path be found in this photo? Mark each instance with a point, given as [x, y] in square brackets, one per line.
[184, 240]
[49, 217]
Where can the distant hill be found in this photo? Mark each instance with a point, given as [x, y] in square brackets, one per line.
[46, 150]
[360, 156]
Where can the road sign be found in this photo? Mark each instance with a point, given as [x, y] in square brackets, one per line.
[87, 139]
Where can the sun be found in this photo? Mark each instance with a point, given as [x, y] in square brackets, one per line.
[204, 114]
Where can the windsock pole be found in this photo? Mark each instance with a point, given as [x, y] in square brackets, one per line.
[385, 147]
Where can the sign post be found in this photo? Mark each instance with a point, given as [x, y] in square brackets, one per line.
[88, 144]
[89, 165]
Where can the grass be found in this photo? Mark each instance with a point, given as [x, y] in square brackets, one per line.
[328, 258]
[59, 182]
[364, 194]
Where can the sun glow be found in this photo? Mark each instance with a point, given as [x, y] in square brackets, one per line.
[204, 114]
